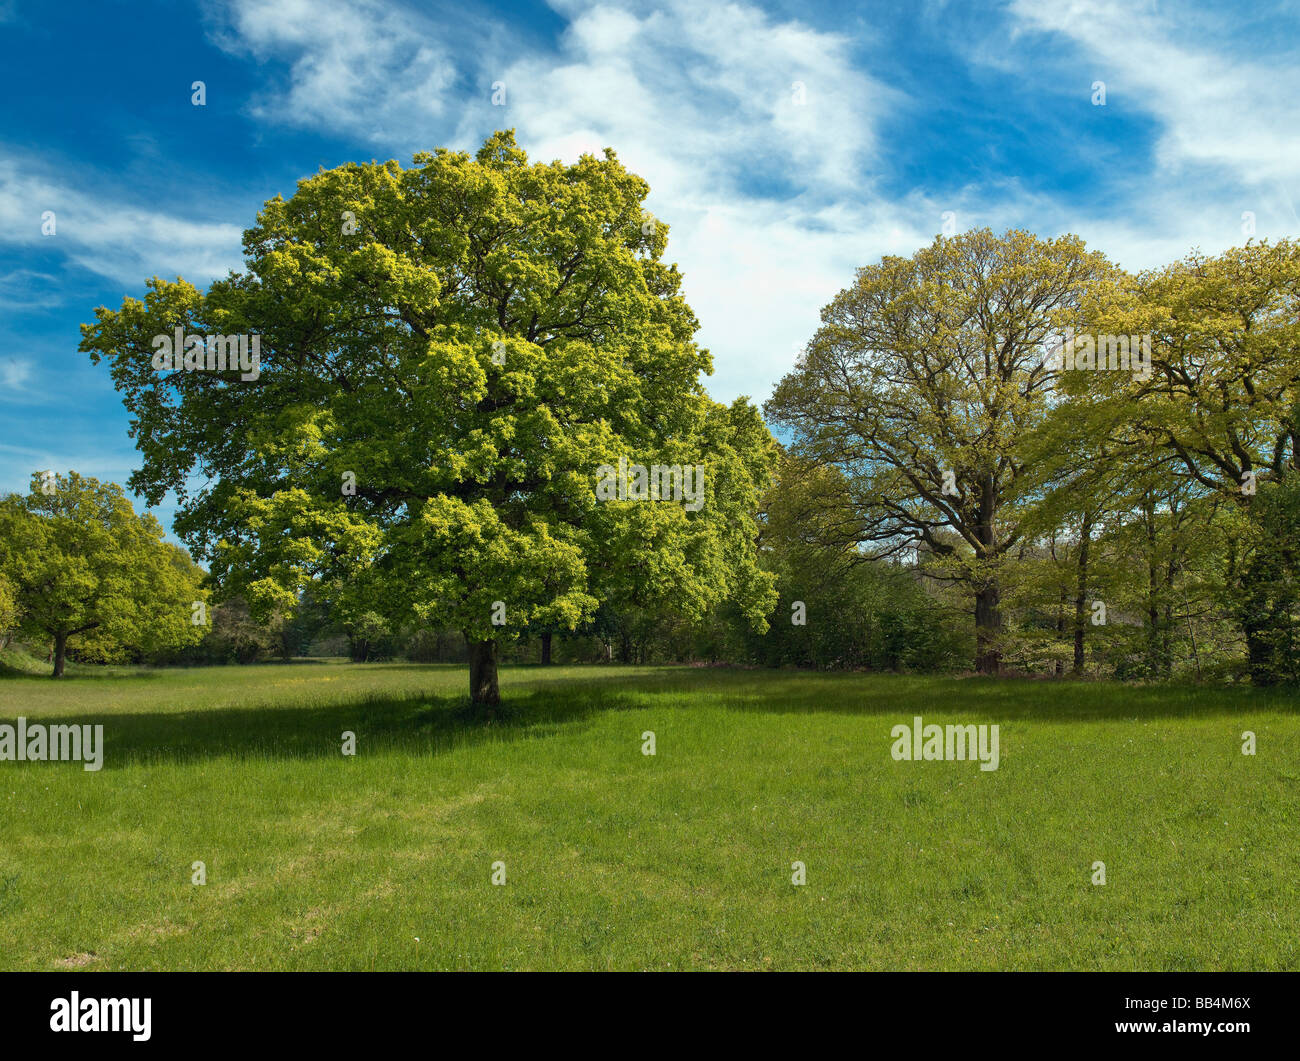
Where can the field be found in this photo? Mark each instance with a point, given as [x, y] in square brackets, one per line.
[619, 860]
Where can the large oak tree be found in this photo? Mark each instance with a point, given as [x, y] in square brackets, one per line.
[449, 352]
[924, 385]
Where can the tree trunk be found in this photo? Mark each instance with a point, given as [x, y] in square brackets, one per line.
[1259, 655]
[1059, 666]
[1191, 632]
[60, 653]
[546, 650]
[483, 673]
[1081, 594]
[1153, 590]
[988, 619]
[1166, 644]
[988, 625]
[1257, 624]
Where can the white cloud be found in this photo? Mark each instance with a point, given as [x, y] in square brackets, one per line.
[1219, 104]
[27, 289]
[758, 273]
[770, 200]
[112, 238]
[1225, 142]
[14, 375]
[708, 102]
[699, 99]
[358, 66]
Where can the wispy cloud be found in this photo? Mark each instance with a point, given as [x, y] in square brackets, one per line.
[108, 236]
[14, 375]
[358, 67]
[1221, 96]
[754, 154]
[761, 133]
[18, 463]
[753, 131]
[699, 98]
[1218, 158]
[27, 289]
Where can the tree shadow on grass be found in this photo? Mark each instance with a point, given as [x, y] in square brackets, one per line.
[996, 699]
[416, 725]
[89, 672]
[75, 676]
[423, 724]
[790, 691]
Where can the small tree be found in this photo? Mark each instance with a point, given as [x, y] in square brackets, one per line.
[82, 563]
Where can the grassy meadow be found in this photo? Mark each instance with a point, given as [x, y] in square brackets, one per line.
[619, 860]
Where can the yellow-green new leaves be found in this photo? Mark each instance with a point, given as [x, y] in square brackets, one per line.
[536, 578]
[926, 376]
[924, 383]
[9, 610]
[84, 567]
[448, 354]
[1225, 335]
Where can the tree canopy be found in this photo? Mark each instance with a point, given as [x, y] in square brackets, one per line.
[448, 354]
[79, 563]
[925, 383]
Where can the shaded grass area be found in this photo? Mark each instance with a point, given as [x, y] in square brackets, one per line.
[18, 661]
[615, 859]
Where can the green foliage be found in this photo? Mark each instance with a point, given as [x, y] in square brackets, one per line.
[17, 658]
[441, 382]
[1268, 585]
[1223, 398]
[236, 636]
[83, 565]
[838, 608]
[9, 611]
[1225, 389]
[1130, 490]
[493, 332]
[925, 385]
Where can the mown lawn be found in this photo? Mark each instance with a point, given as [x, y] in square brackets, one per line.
[617, 860]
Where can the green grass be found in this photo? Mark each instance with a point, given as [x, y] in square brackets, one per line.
[616, 860]
[17, 660]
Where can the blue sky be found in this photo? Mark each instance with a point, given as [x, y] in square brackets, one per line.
[785, 145]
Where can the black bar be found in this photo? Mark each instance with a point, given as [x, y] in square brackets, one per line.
[337, 1010]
